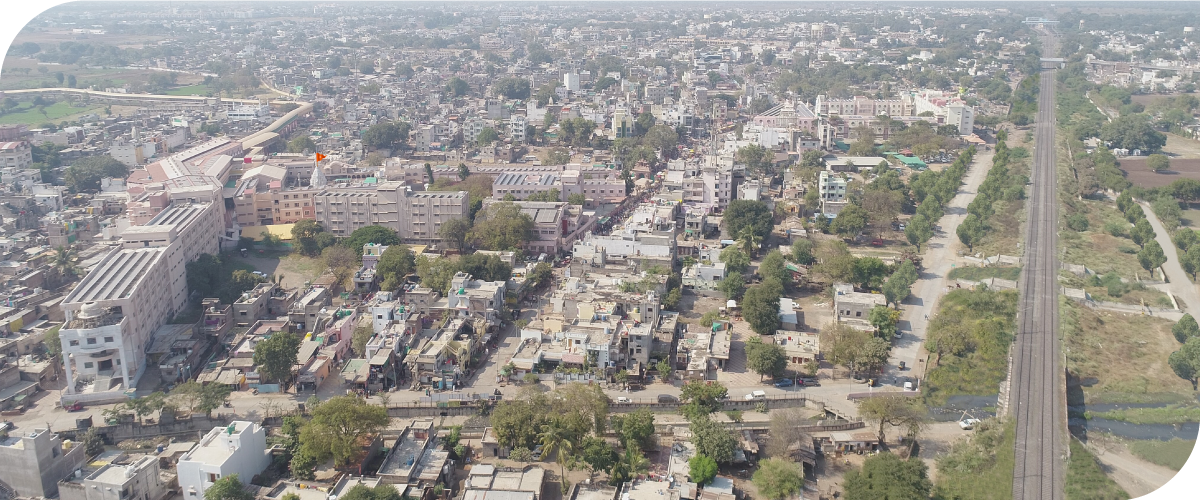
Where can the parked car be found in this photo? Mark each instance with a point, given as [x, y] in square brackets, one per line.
[623, 399]
[902, 366]
[537, 452]
[968, 423]
[667, 398]
[786, 382]
[756, 395]
[76, 406]
[808, 382]
[908, 386]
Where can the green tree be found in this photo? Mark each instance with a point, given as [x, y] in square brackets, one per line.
[300, 144]
[760, 308]
[865, 144]
[463, 171]
[774, 266]
[395, 263]
[455, 232]
[577, 199]
[435, 273]
[227, 488]
[385, 135]
[1142, 232]
[736, 261]
[502, 226]
[92, 442]
[1158, 162]
[202, 398]
[376, 234]
[802, 252]
[896, 411]
[487, 136]
[1133, 131]
[733, 286]
[512, 88]
[741, 215]
[884, 319]
[275, 356]
[635, 428]
[359, 340]
[341, 262]
[850, 221]
[555, 439]
[1151, 256]
[777, 479]
[885, 476]
[758, 159]
[971, 231]
[1185, 328]
[85, 173]
[1186, 361]
[53, 342]
[713, 439]
[702, 469]
[457, 87]
[918, 231]
[304, 235]
[765, 359]
[337, 427]
[598, 454]
[701, 398]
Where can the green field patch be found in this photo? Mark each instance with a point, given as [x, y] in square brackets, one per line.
[980, 467]
[27, 114]
[1086, 479]
[968, 341]
[1173, 453]
[1174, 414]
[982, 273]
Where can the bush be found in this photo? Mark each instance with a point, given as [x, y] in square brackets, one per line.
[1077, 222]
[1116, 229]
[521, 454]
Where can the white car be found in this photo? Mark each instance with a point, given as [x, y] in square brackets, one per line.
[968, 424]
[623, 399]
[908, 386]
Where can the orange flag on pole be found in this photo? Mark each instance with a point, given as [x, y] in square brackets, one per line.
[320, 157]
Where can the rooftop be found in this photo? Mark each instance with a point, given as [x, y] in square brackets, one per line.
[116, 276]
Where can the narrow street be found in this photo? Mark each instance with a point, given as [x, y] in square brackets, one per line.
[938, 258]
[1180, 285]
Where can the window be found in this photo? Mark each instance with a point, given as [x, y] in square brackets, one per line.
[88, 364]
[212, 478]
[91, 341]
[858, 313]
[108, 339]
[74, 343]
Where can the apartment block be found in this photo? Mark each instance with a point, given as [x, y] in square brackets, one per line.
[34, 461]
[416, 216]
[239, 448]
[17, 154]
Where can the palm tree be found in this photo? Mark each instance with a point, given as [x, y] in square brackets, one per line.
[64, 260]
[555, 438]
[750, 241]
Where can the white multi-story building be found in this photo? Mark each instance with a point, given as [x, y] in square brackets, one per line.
[571, 82]
[17, 154]
[516, 128]
[239, 448]
[113, 312]
[832, 187]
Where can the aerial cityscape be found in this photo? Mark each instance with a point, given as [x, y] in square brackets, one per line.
[599, 251]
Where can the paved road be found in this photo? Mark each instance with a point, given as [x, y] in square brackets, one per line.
[1180, 283]
[939, 257]
[1039, 472]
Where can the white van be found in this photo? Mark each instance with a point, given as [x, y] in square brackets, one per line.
[756, 395]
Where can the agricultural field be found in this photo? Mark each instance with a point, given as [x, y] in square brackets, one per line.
[55, 113]
[1140, 175]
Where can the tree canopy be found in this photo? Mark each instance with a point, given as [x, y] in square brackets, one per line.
[227, 488]
[885, 475]
[1133, 131]
[777, 479]
[275, 356]
[743, 215]
[512, 87]
[502, 226]
[85, 173]
[376, 234]
[385, 134]
[337, 427]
